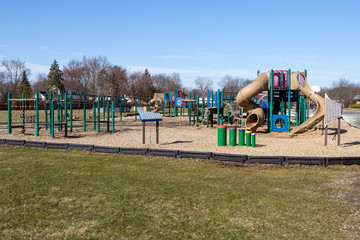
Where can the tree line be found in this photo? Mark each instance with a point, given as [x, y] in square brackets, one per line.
[96, 75]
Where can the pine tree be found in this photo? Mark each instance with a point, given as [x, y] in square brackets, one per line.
[25, 87]
[55, 78]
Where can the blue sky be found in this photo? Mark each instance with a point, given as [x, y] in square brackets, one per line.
[193, 38]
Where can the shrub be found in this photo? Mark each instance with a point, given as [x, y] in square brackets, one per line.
[355, 105]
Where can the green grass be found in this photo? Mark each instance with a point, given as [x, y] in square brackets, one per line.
[78, 195]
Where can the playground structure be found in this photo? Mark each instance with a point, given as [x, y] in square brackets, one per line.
[67, 111]
[280, 97]
[283, 87]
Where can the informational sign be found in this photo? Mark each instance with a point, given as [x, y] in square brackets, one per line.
[333, 110]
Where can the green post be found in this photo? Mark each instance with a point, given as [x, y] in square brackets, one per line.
[175, 101]
[194, 108]
[241, 137]
[221, 103]
[197, 111]
[51, 107]
[221, 136]
[271, 100]
[71, 112]
[113, 116]
[258, 72]
[65, 113]
[94, 114]
[46, 111]
[289, 100]
[212, 98]
[218, 107]
[189, 108]
[149, 110]
[37, 114]
[23, 110]
[253, 142]
[163, 108]
[232, 136]
[248, 138]
[202, 109]
[58, 110]
[84, 113]
[98, 113]
[104, 106]
[108, 115]
[135, 108]
[120, 109]
[207, 119]
[9, 113]
[52, 117]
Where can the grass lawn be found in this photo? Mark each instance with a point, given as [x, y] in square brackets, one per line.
[47, 194]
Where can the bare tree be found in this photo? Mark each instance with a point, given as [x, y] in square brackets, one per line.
[232, 84]
[41, 83]
[141, 85]
[166, 83]
[74, 77]
[203, 84]
[13, 72]
[113, 80]
[344, 91]
[92, 67]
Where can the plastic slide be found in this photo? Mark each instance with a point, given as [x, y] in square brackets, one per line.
[262, 83]
[319, 101]
[154, 102]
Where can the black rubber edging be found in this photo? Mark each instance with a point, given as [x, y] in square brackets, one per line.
[14, 142]
[325, 161]
[88, 147]
[136, 151]
[194, 154]
[229, 157]
[103, 149]
[320, 161]
[162, 152]
[35, 144]
[61, 146]
[342, 161]
[266, 159]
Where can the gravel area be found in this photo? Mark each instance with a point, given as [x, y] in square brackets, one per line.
[176, 134]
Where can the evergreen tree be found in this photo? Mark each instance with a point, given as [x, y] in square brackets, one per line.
[55, 78]
[25, 85]
[147, 73]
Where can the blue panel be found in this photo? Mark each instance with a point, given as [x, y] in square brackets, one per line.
[149, 116]
[284, 128]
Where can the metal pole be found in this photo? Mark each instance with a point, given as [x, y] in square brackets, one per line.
[326, 134]
[108, 115]
[143, 135]
[71, 111]
[157, 132]
[338, 131]
[135, 108]
[84, 113]
[289, 100]
[98, 110]
[113, 116]
[37, 114]
[9, 113]
[104, 108]
[175, 101]
[66, 121]
[23, 110]
[218, 107]
[189, 109]
[52, 118]
[46, 111]
[271, 99]
[164, 97]
[197, 111]
[120, 109]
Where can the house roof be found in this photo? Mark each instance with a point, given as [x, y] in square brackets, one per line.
[357, 97]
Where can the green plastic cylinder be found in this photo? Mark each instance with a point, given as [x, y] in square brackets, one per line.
[221, 136]
[241, 137]
[248, 138]
[232, 136]
[253, 141]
